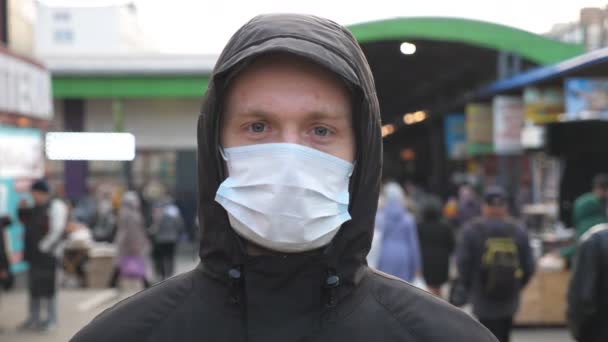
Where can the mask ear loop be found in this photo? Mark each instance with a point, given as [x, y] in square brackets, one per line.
[223, 153]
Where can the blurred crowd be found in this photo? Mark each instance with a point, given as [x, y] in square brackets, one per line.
[137, 230]
[473, 244]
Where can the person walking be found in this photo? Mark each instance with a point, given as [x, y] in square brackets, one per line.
[399, 249]
[44, 224]
[166, 230]
[6, 277]
[589, 210]
[495, 263]
[468, 205]
[132, 242]
[588, 289]
[290, 160]
[436, 245]
[104, 229]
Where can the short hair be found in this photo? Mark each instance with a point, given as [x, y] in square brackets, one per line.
[600, 181]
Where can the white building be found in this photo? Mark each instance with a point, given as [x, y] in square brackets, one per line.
[88, 31]
[21, 17]
[591, 29]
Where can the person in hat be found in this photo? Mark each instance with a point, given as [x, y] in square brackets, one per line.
[495, 262]
[290, 157]
[44, 224]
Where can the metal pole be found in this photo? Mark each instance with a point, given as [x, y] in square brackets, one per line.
[4, 22]
[118, 114]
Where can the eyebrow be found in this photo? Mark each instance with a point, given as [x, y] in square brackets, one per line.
[318, 115]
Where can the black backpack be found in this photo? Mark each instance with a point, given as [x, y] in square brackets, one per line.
[501, 271]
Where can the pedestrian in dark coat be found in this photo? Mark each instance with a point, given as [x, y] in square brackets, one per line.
[44, 224]
[494, 232]
[436, 245]
[588, 290]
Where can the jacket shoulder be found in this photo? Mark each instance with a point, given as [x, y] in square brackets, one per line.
[421, 313]
[135, 318]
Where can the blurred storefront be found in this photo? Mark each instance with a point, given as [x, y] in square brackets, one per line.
[156, 98]
[25, 109]
[423, 68]
[564, 136]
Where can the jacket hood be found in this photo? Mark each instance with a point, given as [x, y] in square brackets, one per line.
[334, 48]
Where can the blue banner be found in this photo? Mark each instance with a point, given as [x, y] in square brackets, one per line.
[455, 136]
[9, 202]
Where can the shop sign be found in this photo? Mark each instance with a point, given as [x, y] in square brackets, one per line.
[586, 98]
[21, 153]
[455, 136]
[543, 105]
[90, 146]
[25, 88]
[508, 122]
[479, 128]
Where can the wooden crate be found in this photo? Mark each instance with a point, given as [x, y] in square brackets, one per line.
[543, 301]
[555, 289]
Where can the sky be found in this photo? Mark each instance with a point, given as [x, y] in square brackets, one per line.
[204, 26]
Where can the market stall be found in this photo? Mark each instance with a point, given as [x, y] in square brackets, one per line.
[564, 134]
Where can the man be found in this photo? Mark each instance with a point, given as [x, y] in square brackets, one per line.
[495, 262]
[289, 150]
[44, 226]
[588, 290]
[165, 231]
[589, 210]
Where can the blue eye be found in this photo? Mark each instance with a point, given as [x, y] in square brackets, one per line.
[257, 127]
[321, 131]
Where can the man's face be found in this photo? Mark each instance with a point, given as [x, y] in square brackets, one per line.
[601, 192]
[284, 99]
[40, 197]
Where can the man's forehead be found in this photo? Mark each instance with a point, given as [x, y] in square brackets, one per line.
[281, 61]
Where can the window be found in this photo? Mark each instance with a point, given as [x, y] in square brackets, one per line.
[62, 16]
[64, 36]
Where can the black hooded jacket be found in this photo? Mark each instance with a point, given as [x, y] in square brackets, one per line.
[588, 290]
[324, 295]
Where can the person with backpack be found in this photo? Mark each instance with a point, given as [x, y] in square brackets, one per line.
[44, 224]
[165, 231]
[495, 262]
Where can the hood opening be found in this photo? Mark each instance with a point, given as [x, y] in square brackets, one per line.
[333, 48]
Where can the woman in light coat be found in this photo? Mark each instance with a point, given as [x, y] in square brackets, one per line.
[132, 241]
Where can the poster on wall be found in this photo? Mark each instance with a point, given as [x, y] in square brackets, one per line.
[25, 87]
[508, 114]
[586, 98]
[543, 105]
[479, 128]
[455, 136]
[21, 153]
[9, 200]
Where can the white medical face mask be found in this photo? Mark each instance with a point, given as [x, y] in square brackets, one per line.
[285, 197]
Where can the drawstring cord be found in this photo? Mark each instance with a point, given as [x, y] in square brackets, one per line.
[235, 275]
[332, 282]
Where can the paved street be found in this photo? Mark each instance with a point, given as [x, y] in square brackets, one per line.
[78, 307]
